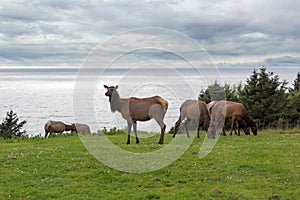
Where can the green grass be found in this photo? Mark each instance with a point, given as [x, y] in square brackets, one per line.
[247, 167]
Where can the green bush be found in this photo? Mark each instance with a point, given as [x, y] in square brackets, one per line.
[111, 131]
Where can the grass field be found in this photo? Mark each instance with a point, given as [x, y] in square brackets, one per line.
[247, 167]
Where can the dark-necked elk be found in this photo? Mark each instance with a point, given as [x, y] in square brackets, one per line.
[138, 109]
[235, 112]
[193, 110]
[57, 127]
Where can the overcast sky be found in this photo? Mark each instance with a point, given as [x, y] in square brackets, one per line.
[235, 33]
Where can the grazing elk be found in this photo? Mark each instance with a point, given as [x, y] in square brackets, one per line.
[193, 110]
[236, 112]
[240, 124]
[57, 127]
[138, 109]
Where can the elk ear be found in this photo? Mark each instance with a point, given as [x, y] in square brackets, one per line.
[105, 86]
[116, 87]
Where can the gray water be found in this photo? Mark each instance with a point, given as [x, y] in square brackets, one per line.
[41, 94]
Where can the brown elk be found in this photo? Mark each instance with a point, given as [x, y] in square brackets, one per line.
[138, 109]
[240, 124]
[196, 111]
[236, 112]
[57, 127]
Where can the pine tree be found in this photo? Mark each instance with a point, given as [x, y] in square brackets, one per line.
[264, 95]
[296, 83]
[214, 92]
[294, 97]
[233, 91]
[10, 127]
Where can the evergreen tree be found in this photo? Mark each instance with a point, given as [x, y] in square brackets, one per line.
[296, 83]
[293, 103]
[10, 127]
[214, 92]
[264, 95]
[233, 91]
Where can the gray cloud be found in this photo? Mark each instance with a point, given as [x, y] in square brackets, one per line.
[63, 32]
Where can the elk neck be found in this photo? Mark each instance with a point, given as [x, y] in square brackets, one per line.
[115, 101]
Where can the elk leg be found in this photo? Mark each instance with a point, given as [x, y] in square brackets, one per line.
[240, 125]
[162, 125]
[177, 124]
[198, 131]
[198, 128]
[157, 112]
[129, 124]
[162, 133]
[186, 126]
[232, 125]
[223, 130]
[135, 131]
[236, 126]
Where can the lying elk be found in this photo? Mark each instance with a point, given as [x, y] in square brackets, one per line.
[236, 112]
[82, 128]
[138, 109]
[57, 127]
[196, 111]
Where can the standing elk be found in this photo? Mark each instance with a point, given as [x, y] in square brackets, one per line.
[196, 111]
[138, 109]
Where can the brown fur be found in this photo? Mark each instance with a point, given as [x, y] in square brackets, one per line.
[240, 124]
[236, 112]
[57, 127]
[211, 104]
[82, 128]
[138, 109]
[193, 110]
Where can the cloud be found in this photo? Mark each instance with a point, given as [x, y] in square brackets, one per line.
[284, 60]
[63, 32]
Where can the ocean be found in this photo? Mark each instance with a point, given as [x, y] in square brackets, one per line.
[39, 94]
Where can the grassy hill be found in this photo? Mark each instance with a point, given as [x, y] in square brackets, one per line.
[247, 167]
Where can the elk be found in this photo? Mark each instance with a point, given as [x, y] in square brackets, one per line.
[236, 112]
[193, 110]
[138, 109]
[82, 128]
[57, 127]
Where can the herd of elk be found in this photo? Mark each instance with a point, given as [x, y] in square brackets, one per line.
[143, 109]
[210, 116]
[60, 127]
